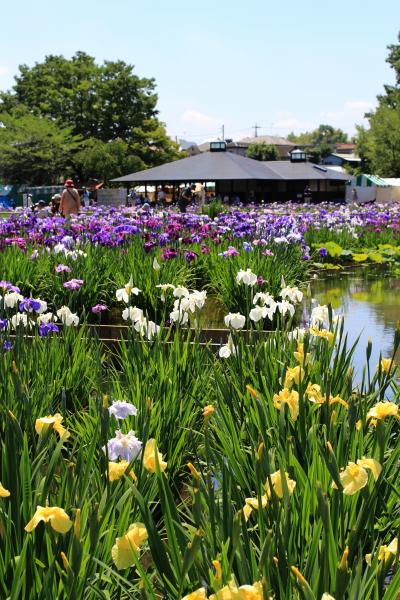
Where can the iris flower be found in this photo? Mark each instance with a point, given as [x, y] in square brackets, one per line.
[57, 517]
[3, 492]
[199, 594]
[117, 469]
[291, 398]
[381, 410]
[276, 480]
[126, 446]
[149, 457]
[125, 293]
[126, 548]
[51, 422]
[121, 409]
[235, 320]
[354, 477]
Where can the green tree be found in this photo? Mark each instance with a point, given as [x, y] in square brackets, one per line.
[320, 142]
[104, 102]
[105, 160]
[262, 151]
[35, 150]
[379, 146]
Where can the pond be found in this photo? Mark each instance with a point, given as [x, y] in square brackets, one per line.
[369, 299]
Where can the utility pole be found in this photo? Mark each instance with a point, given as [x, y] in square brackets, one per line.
[223, 133]
[256, 127]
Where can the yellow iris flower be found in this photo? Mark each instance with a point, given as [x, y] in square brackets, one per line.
[208, 410]
[3, 492]
[322, 333]
[117, 469]
[385, 364]
[293, 375]
[149, 457]
[199, 594]
[301, 358]
[244, 592]
[57, 517]
[354, 477]
[315, 396]
[52, 422]
[291, 398]
[385, 552]
[127, 547]
[276, 481]
[381, 410]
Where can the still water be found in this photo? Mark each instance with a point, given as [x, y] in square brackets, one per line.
[369, 300]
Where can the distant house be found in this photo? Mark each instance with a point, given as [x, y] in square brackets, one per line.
[283, 145]
[240, 147]
[345, 148]
[191, 148]
[337, 159]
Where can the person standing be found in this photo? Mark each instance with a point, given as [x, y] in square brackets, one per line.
[70, 200]
[161, 197]
[185, 197]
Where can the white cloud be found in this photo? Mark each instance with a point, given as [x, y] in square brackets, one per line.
[198, 118]
[3, 70]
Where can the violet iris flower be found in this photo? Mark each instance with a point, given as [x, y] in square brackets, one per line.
[98, 308]
[62, 269]
[73, 284]
[46, 328]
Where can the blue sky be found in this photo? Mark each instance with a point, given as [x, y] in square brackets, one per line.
[285, 65]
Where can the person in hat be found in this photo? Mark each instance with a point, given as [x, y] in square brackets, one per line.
[55, 204]
[70, 200]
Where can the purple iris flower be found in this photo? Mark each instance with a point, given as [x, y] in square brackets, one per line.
[62, 269]
[189, 256]
[46, 328]
[7, 345]
[3, 323]
[168, 254]
[30, 305]
[7, 286]
[98, 308]
[323, 252]
[248, 247]
[148, 246]
[73, 284]
[230, 252]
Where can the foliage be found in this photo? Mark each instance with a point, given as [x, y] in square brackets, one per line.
[379, 146]
[320, 142]
[35, 150]
[263, 151]
[100, 103]
[304, 541]
[105, 160]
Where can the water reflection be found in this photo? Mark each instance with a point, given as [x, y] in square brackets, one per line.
[370, 303]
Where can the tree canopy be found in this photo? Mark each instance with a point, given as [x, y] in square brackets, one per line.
[320, 142]
[262, 151]
[33, 149]
[98, 104]
[379, 146]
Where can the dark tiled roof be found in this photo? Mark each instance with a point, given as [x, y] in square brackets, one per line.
[220, 166]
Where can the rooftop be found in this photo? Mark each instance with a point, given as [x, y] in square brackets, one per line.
[220, 166]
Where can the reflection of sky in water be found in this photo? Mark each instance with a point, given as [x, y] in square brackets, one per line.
[371, 307]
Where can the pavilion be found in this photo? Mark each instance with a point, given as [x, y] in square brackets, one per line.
[238, 176]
